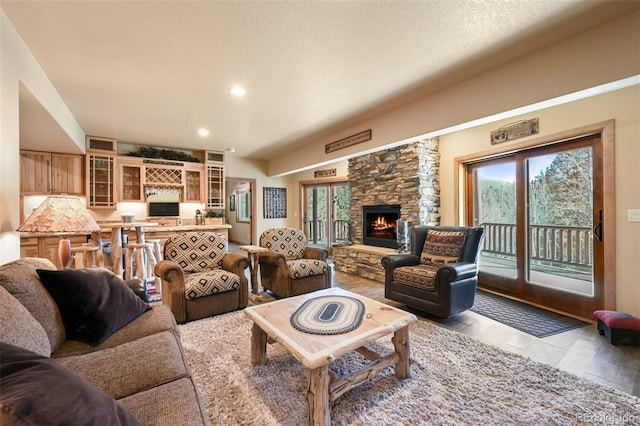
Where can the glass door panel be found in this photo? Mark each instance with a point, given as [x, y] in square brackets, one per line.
[560, 220]
[542, 212]
[316, 215]
[340, 229]
[326, 214]
[494, 209]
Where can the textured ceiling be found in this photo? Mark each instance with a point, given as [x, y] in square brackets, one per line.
[154, 72]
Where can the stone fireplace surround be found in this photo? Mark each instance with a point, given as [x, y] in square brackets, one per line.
[407, 175]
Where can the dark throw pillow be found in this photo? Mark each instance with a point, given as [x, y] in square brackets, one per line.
[96, 301]
[36, 390]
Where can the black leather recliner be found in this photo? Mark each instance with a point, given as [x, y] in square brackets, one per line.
[440, 274]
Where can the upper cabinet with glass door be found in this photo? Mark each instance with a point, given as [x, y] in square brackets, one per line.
[215, 179]
[193, 183]
[100, 173]
[131, 182]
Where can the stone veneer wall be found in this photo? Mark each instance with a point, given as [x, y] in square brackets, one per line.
[407, 175]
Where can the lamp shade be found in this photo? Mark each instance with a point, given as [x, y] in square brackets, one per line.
[60, 215]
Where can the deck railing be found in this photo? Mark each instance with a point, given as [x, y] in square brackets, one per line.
[570, 246]
[317, 231]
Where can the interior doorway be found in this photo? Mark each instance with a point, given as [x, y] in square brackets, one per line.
[240, 210]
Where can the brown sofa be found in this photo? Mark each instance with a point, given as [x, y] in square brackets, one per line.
[141, 365]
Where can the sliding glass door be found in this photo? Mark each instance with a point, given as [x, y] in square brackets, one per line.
[542, 211]
[326, 213]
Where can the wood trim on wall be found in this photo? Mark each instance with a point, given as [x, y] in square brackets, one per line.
[607, 131]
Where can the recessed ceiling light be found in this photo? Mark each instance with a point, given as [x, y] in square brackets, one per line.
[203, 132]
[238, 91]
[231, 150]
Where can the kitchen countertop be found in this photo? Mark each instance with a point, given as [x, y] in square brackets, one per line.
[157, 228]
[185, 228]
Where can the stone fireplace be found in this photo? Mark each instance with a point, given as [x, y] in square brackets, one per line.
[405, 176]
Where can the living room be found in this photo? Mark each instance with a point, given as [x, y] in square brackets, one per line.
[576, 83]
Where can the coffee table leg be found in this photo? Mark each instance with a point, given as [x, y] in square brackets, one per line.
[318, 395]
[258, 346]
[401, 343]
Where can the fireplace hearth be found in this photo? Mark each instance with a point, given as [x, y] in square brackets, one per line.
[379, 225]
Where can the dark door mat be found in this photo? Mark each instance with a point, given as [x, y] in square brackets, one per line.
[529, 319]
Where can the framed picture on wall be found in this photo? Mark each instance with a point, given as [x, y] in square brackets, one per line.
[232, 203]
[275, 203]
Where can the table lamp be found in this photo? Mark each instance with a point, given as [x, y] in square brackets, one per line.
[63, 216]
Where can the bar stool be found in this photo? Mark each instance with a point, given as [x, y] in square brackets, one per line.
[154, 255]
[137, 261]
[157, 249]
[103, 254]
[84, 256]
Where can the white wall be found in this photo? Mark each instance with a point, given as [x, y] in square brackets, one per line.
[17, 65]
[624, 107]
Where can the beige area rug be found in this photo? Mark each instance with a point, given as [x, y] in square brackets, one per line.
[455, 380]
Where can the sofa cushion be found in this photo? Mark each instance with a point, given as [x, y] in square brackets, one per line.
[21, 280]
[420, 276]
[94, 301]
[18, 327]
[154, 321]
[177, 403]
[442, 247]
[211, 282]
[134, 366]
[37, 390]
[301, 268]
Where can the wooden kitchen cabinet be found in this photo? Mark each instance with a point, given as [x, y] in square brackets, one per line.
[131, 182]
[51, 173]
[28, 247]
[193, 184]
[215, 185]
[101, 173]
[47, 246]
[138, 175]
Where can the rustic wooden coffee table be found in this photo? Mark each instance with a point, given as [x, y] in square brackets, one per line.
[317, 351]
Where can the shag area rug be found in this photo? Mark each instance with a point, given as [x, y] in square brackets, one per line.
[455, 380]
[521, 316]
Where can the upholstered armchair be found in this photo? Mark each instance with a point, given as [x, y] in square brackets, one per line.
[440, 275]
[289, 267]
[199, 278]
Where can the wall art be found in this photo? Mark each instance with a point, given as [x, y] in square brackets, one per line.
[275, 203]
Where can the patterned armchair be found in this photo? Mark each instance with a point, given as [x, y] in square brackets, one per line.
[199, 278]
[440, 275]
[291, 268]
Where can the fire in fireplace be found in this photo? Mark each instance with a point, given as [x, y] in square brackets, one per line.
[379, 225]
